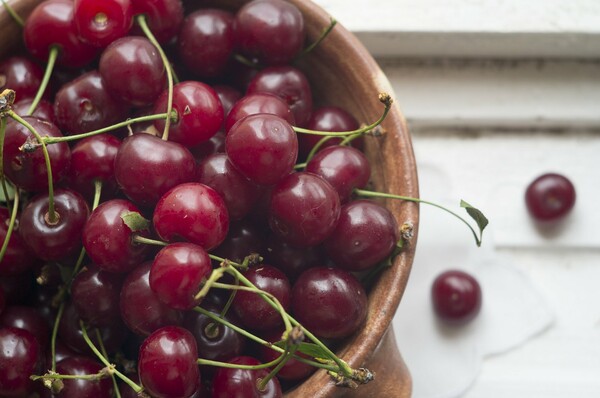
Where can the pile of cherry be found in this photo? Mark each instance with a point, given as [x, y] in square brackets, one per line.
[112, 238]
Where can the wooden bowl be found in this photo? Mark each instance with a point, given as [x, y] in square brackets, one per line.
[343, 73]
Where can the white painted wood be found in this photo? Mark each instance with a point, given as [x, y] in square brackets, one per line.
[473, 28]
[488, 94]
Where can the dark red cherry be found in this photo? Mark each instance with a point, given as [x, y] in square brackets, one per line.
[95, 295]
[263, 147]
[54, 239]
[365, 234]
[272, 31]
[290, 259]
[345, 168]
[28, 169]
[44, 109]
[133, 71]
[215, 144]
[164, 17]
[17, 258]
[141, 309]
[238, 192]
[243, 383]
[199, 111]
[228, 96]
[99, 23]
[167, 363]
[256, 103]
[288, 83]
[108, 241]
[193, 212]
[28, 318]
[177, 274]
[304, 209]
[20, 357]
[215, 341]
[93, 158]
[243, 239]
[205, 41]
[146, 167]
[252, 309]
[329, 302]
[51, 24]
[84, 104]
[326, 118]
[456, 297]
[80, 365]
[22, 75]
[550, 197]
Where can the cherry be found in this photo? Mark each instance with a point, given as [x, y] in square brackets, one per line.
[142, 311]
[326, 118]
[199, 110]
[263, 147]
[44, 109]
[95, 295]
[456, 297]
[80, 365]
[243, 239]
[205, 41]
[329, 302]
[253, 104]
[365, 234]
[344, 167]
[194, 212]
[17, 287]
[253, 310]
[101, 23]
[133, 71]
[228, 96]
[28, 318]
[84, 104]
[108, 241]
[167, 363]
[164, 17]
[20, 357]
[177, 274]
[289, 84]
[304, 209]
[215, 341]
[27, 170]
[215, 144]
[290, 259]
[239, 193]
[243, 383]
[17, 258]
[550, 197]
[146, 167]
[59, 239]
[51, 24]
[272, 31]
[22, 75]
[92, 159]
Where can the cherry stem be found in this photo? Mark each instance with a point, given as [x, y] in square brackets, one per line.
[318, 146]
[220, 364]
[128, 122]
[103, 359]
[281, 361]
[141, 20]
[147, 241]
[52, 56]
[322, 36]
[103, 350]
[2, 176]
[11, 226]
[59, 314]
[384, 98]
[53, 376]
[372, 194]
[13, 14]
[52, 214]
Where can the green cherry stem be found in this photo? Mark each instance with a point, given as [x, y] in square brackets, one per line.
[11, 225]
[141, 20]
[220, 364]
[103, 359]
[13, 13]
[59, 314]
[103, 351]
[52, 214]
[2, 177]
[371, 194]
[384, 98]
[52, 56]
[322, 36]
[147, 241]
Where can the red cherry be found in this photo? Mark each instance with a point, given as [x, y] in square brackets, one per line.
[456, 297]
[550, 197]
[99, 23]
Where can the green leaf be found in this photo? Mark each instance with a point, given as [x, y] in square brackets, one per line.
[476, 215]
[135, 221]
[310, 349]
